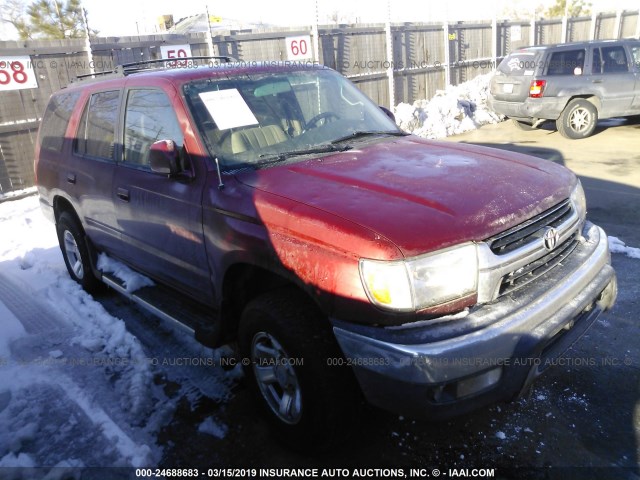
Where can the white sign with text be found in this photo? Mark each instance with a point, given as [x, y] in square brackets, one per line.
[17, 73]
[299, 48]
[175, 51]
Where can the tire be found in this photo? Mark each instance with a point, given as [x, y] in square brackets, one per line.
[578, 119]
[522, 125]
[308, 405]
[71, 237]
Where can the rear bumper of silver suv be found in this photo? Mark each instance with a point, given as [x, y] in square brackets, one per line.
[442, 368]
[548, 108]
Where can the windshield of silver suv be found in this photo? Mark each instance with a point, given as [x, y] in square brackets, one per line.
[259, 118]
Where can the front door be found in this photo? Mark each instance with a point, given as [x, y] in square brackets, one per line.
[612, 73]
[159, 217]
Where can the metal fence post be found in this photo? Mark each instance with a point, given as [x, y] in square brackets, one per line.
[565, 25]
[594, 24]
[532, 30]
[316, 36]
[210, 34]
[87, 44]
[494, 40]
[447, 66]
[392, 86]
[617, 27]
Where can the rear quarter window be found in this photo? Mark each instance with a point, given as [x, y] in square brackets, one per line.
[519, 63]
[56, 119]
[566, 62]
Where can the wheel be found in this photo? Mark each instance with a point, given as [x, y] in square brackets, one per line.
[578, 119]
[75, 252]
[522, 125]
[307, 401]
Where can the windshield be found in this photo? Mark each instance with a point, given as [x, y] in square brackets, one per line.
[252, 119]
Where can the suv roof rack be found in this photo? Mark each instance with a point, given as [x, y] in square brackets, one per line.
[146, 65]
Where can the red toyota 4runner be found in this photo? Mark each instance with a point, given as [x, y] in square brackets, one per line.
[277, 207]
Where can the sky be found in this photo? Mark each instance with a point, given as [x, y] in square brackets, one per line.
[123, 17]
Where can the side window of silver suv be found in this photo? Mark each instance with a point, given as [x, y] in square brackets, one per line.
[635, 51]
[610, 60]
[566, 62]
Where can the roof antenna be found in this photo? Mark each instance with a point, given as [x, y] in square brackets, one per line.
[220, 184]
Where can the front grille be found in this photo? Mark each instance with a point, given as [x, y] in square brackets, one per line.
[539, 267]
[529, 231]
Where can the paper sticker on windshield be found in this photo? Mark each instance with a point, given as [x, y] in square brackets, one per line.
[228, 109]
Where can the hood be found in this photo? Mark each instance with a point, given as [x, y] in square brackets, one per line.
[421, 195]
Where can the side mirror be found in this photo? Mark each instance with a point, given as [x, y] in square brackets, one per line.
[163, 157]
[388, 113]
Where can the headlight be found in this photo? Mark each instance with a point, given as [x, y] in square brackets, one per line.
[579, 201]
[422, 282]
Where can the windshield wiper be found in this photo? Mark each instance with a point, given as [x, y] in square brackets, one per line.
[370, 133]
[279, 157]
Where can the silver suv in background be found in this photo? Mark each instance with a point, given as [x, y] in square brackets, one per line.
[574, 84]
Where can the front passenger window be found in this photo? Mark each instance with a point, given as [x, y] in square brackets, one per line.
[149, 117]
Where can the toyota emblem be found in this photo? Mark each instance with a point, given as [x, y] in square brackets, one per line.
[550, 238]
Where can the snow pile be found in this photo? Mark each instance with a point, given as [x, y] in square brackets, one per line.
[455, 110]
[78, 386]
[211, 427]
[618, 246]
[17, 193]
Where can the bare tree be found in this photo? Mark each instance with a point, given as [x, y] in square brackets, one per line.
[14, 13]
[45, 18]
[572, 8]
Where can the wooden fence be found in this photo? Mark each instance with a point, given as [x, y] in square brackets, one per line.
[391, 63]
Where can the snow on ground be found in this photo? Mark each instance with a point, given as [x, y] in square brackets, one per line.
[618, 246]
[452, 111]
[17, 193]
[77, 388]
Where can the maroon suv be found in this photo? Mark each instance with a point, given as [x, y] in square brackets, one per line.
[277, 206]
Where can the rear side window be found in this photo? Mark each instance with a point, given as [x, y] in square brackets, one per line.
[149, 117]
[56, 119]
[96, 132]
[610, 60]
[519, 63]
[566, 62]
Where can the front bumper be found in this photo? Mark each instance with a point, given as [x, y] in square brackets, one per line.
[437, 369]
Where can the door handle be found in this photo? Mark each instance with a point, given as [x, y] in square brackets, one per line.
[596, 81]
[123, 194]
[71, 178]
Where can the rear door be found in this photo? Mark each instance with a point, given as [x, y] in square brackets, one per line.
[159, 217]
[612, 72]
[514, 74]
[635, 58]
[89, 172]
